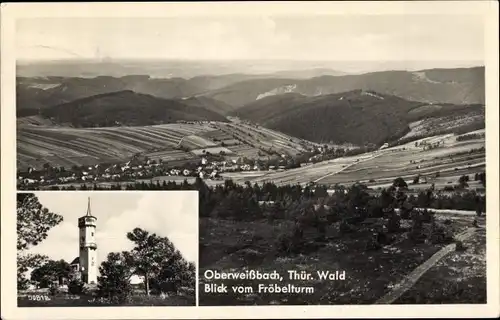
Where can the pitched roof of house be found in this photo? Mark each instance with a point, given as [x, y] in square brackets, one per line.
[76, 261]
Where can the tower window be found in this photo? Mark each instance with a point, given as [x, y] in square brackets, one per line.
[92, 234]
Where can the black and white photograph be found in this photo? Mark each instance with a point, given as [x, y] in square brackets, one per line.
[83, 249]
[231, 154]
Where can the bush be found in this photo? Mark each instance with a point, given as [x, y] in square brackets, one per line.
[345, 227]
[76, 287]
[53, 289]
[291, 242]
[393, 223]
[373, 244]
[459, 246]
[439, 233]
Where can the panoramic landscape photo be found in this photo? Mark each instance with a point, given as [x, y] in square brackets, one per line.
[85, 249]
[338, 159]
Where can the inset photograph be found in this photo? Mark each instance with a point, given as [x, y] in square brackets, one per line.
[82, 249]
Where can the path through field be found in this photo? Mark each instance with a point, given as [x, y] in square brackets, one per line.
[414, 276]
[346, 167]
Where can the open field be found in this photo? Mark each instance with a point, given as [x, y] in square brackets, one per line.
[434, 125]
[381, 167]
[64, 146]
[231, 246]
[263, 138]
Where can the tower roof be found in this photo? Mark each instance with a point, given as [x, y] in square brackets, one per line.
[88, 209]
[89, 212]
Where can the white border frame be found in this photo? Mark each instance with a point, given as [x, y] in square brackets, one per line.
[12, 11]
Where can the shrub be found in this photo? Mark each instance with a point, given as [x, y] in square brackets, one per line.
[345, 227]
[393, 223]
[475, 224]
[479, 212]
[287, 243]
[439, 233]
[373, 244]
[53, 289]
[459, 246]
[76, 287]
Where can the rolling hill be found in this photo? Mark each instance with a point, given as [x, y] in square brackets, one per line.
[125, 108]
[39, 93]
[34, 93]
[457, 86]
[357, 117]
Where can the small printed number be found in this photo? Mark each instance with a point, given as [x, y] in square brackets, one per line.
[38, 298]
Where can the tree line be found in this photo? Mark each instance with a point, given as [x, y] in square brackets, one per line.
[223, 199]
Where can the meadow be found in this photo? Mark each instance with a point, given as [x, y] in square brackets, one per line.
[41, 144]
[443, 165]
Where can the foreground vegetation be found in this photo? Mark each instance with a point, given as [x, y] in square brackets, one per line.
[167, 278]
[376, 239]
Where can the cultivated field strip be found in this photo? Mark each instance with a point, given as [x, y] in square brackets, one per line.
[386, 165]
[38, 145]
[197, 141]
[75, 146]
[169, 155]
[378, 173]
[262, 138]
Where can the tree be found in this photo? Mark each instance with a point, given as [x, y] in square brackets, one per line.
[150, 254]
[482, 178]
[400, 183]
[462, 181]
[114, 280]
[175, 272]
[76, 286]
[24, 263]
[416, 180]
[50, 272]
[33, 223]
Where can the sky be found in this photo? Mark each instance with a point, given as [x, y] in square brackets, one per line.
[439, 37]
[173, 214]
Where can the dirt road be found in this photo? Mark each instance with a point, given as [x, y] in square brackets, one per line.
[416, 274]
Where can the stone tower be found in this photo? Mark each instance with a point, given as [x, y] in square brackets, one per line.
[88, 247]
